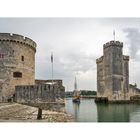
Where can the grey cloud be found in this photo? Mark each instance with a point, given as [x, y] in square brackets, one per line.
[69, 57]
[77, 62]
[76, 43]
[73, 57]
[133, 36]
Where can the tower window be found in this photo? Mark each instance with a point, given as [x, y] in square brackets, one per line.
[22, 58]
[17, 74]
[1, 55]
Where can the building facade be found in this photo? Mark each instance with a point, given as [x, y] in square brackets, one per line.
[57, 82]
[17, 63]
[113, 72]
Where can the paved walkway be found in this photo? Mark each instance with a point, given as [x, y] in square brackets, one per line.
[13, 112]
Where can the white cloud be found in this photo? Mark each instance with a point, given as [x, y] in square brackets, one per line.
[133, 36]
[76, 43]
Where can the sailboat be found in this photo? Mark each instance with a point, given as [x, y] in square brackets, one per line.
[76, 94]
[76, 97]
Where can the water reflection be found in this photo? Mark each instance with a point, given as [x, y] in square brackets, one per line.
[88, 111]
[76, 110]
[115, 112]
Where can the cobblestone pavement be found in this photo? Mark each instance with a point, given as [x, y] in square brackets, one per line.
[13, 112]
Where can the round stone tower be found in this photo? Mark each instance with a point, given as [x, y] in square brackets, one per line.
[17, 63]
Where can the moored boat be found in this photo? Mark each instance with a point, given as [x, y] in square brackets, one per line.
[76, 93]
[76, 99]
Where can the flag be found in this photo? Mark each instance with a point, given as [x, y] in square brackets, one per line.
[52, 57]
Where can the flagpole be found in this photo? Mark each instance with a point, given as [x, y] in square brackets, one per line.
[114, 34]
[52, 66]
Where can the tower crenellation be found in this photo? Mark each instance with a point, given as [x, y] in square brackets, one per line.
[99, 59]
[113, 43]
[125, 57]
[17, 39]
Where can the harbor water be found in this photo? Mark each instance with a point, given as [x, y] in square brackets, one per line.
[88, 111]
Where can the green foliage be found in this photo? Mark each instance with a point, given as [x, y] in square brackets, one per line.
[86, 92]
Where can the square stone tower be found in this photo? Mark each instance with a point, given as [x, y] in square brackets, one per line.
[113, 72]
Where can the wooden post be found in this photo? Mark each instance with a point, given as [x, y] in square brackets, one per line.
[39, 115]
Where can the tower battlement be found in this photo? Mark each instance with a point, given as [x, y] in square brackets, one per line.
[99, 59]
[113, 43]
[125, 57]
[18, 39]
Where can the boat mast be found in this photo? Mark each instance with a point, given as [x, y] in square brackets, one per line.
[75, 84]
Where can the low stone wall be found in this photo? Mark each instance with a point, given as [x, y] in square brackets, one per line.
[133, 90]
[38, 94]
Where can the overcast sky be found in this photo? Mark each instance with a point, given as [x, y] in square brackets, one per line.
[76, 43]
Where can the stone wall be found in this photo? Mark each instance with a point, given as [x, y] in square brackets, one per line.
[100, 77]
[17, 63]
[56, 82]
[38, 93]
[126, 74]
[133, 90]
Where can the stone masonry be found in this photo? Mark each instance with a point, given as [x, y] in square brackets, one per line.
[57, 82]
[38, 93]
[113, 72]
[17, 63]
[44, 96]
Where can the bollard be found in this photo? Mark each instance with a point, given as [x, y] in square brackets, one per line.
[39, 115]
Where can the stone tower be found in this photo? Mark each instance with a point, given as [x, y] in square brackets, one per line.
[17, 63]
[113, 72]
